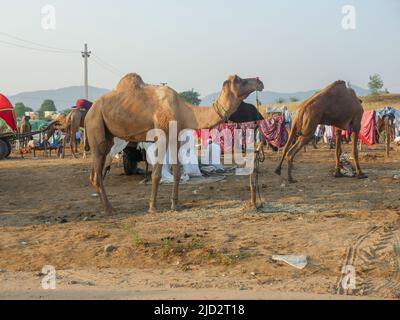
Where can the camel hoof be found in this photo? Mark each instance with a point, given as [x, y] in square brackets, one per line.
[109, 212]
[361, 176]
[278, 171]
[176, 207]
[292, 181]
[152, 210]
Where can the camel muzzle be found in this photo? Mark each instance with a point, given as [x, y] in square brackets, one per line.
[260, 85]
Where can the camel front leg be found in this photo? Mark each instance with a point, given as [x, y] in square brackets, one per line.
[72, 144]
[63, 147]
[338, 174]
[356, 160]
[156, 178]
[175, 191]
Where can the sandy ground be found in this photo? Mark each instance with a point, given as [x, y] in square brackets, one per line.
[215, 247]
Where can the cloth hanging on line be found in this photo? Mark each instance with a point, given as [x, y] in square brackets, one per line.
[368, 128]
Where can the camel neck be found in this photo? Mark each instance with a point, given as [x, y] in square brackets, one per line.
[203, 117]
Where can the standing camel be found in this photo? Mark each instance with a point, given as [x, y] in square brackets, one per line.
[133, 108]
[336, 106]
[74, 121]
[25, 127]
[387, 129]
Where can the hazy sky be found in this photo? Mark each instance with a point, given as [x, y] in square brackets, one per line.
[293, 45]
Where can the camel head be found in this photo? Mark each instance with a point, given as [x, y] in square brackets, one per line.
[235, 90]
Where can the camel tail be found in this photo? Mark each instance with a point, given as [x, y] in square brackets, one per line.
[86, 143]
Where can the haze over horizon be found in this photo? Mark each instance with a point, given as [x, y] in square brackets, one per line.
[292, 45]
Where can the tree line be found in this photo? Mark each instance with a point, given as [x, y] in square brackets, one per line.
[46, 106]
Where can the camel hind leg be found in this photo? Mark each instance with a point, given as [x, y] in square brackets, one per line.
[338, 132]
[286, 149]
[100, 142]
[300, 143]
[356, 160]
[99, 158]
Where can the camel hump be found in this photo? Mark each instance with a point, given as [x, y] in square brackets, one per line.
[129, 82]
[340, 82]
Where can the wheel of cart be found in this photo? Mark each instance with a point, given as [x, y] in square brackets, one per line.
[5, 148]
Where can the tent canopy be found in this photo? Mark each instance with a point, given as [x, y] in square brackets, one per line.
[7, 112]
[246, 113]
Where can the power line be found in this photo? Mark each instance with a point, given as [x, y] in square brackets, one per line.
[38, 44]
[116, 73]
[105, 63]
[32, 48]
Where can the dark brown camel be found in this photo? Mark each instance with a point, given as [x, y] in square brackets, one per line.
[337, 106]
[386, 128]
[74, 121]
[25, 127]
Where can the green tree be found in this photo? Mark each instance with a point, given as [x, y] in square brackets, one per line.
[191, 96]
[48, 105]
[294, 99]
[20, 109]
[41, 115]
[280, 100]
[375, 83]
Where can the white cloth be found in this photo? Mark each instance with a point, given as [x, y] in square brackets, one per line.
[212, 156]
[118, 146]
[328, 135]
[187, 157]
[318, 131]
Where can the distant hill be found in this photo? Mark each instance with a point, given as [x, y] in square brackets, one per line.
[268, 97]
[63, 98]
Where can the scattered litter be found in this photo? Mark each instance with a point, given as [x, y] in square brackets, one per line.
[84, 283]
[95, 195]
[396, 177]
[299, 262]
[347, 168]
[109, 248]
[24, 243]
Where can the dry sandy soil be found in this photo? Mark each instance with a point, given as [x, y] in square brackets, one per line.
[214, 247]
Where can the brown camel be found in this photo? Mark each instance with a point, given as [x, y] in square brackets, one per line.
[336, 105]
[74, 121]
[25, 127]
[133, 108]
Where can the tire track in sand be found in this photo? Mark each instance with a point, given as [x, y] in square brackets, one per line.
[376, 250]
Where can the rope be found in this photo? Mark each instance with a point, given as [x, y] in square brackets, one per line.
[260, 158]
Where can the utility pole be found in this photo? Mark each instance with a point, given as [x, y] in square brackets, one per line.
[85, 55]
